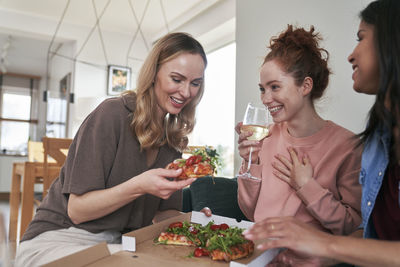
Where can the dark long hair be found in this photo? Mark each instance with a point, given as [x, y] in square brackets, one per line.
[384, 16]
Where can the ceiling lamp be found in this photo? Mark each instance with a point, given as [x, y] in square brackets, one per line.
[4, 54]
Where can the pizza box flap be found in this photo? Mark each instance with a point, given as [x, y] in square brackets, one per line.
[83, 257]
[149, 254]
[96, 256]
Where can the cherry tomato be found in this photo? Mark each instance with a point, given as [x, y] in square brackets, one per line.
[198, 159]
[205, 252]
[190, 161]
[193, 230]
[215, 227]
[176, 225]
[223, 226]
[198, 252]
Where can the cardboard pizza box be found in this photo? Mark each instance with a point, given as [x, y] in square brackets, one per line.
[97, 255]
[141, 243]
[139, 249]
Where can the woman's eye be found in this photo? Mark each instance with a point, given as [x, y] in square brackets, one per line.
[262, 90]
[196, 84]
[274, 87]
[176, 80]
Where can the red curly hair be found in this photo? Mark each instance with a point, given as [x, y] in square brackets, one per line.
[298, 52]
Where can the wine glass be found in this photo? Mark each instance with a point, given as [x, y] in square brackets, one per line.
[256, 120]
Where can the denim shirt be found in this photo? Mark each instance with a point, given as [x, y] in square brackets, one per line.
[374, 161]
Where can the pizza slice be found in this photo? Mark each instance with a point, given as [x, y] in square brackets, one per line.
[218, 241]
[239, 251]
[228, 243]
[201, 163]
[182, 234]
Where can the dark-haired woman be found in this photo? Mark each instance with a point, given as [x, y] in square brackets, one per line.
[294, 75]
[376, 65]
[114, 179]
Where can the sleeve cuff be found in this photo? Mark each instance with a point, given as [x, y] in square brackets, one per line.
[311, 192]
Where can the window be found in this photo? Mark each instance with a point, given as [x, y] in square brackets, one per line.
[18, 112]
[56, 114]
[215, 115]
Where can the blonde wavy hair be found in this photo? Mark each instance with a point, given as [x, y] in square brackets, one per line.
[173, 129]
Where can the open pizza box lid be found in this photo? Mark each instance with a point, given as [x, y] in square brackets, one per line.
[141, 242]
[95, 256]
[140, 249]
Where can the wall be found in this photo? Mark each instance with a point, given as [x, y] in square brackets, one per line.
[90, 80]
[337, 21]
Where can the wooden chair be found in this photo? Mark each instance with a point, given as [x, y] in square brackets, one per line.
[46, 159]
[35, 151]
[57, 149]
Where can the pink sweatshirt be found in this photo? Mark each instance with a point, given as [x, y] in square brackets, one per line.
[330, 201]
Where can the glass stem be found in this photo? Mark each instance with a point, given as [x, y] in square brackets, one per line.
[249, 163]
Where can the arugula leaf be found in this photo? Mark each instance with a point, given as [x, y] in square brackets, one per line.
[211, 155]
[224, 239]
[210, 239]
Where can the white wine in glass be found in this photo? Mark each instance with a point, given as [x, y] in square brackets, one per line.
[259, 131]
[256, 120]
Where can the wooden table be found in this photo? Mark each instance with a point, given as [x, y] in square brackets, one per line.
[29, 173]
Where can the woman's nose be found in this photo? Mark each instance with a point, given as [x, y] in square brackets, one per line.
[185, 90]
[350, 58]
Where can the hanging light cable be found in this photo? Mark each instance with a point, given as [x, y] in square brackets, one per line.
[100, 33]
[92, 30]
[164, 15]
[139, 23]
[49, 50]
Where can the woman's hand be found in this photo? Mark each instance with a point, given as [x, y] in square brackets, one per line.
[290, 258]
[98, 203]
[295, 172]
[245, 145]
[154, 182]
[288, 232]
[206, 211]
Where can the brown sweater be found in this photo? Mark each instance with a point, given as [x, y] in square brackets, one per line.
[103, 154]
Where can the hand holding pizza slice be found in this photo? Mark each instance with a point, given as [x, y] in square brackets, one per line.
[201, 163]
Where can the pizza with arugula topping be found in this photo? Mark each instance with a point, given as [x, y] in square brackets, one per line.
[218, 241]
[203, 162]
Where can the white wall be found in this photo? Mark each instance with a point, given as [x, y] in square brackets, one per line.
[337, 21]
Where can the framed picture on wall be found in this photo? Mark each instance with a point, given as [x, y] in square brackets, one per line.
[64, 85]
[119, 79]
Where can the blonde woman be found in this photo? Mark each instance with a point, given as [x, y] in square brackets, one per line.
[114, 179]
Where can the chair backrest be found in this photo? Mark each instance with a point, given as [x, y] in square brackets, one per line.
[35, 151]
[57, 149]
[217, 193]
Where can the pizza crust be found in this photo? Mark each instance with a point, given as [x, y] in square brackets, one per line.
[238, 252]
[174, 239]
[193, 171]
